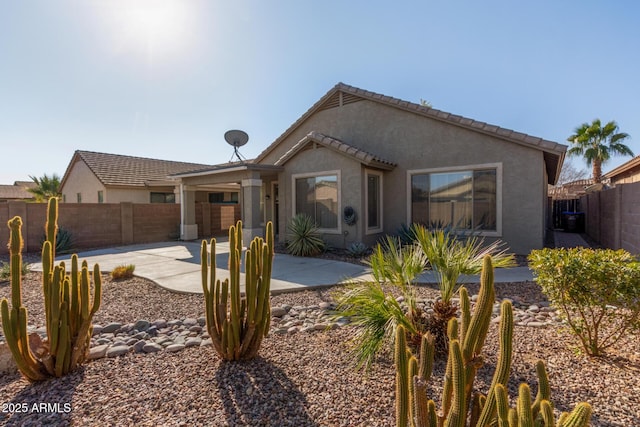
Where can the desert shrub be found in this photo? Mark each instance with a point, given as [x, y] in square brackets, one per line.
[357, 249]
[370, 305]
[596, 290]
[303, 239]
[123, 272]
[5, 270]
[64, 241]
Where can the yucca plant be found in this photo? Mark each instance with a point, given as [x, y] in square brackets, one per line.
[450, 256]
[303, 239]
[377, 311]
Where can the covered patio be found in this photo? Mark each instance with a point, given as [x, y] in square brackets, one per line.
[258, 196]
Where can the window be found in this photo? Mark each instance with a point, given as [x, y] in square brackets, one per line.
[79, 197]
[163, 197]
[231, 198]
[466, 199]
[100, 197]
[374, 202]
[317, 196]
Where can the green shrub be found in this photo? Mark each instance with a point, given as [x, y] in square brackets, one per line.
[377, 311]
[303, 239]
[123, 272]
[357, 249]
[596, 290]
[5, 270]
[64, 241]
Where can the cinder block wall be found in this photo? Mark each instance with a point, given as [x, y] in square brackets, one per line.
[95, 225]
[613, 217]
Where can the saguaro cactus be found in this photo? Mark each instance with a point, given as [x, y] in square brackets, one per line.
[237, 323]
[68, 309]
[459, 404]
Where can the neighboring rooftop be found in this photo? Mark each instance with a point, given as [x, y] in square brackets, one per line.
[627, 169]
[120, 170]
[17, 191]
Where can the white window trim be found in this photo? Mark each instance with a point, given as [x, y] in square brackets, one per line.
[496, 166]
[312, 175]
[380, 226]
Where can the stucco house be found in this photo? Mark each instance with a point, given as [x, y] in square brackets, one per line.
[392, 162]
[93, 177]
[626, 173]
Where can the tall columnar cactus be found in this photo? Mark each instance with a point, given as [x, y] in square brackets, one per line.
[237, 323]
[460, 406]
[68, 308]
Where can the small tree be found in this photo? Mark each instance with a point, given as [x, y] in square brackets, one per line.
[597, 292]
[46, 187]
[597, 143]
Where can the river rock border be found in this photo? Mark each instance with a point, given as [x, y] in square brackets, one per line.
[144, 336]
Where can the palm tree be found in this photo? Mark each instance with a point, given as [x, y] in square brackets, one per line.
[46, 187]
[597, 144]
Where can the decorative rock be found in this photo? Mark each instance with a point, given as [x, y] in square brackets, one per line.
[159, 323]
[152, 347]
[206, 342]
[139, 345]
[189, 321]
[111, 327]
[325, 305]
[202, 321]
[278, 312]
[141, 325]
[98, 352]
[195, 328]
[97, 330]
[173, 348]
[119, 350]
[193, 342]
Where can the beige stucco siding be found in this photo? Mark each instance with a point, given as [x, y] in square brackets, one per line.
[416, 142]
[82, 180]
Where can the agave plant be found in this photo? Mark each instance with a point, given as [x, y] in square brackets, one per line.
[303, 239]
[450, 257]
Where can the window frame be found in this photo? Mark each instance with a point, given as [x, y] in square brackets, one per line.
[297, 176]
[380, 227]
[471, 168]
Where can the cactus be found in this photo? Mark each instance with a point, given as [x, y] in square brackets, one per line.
[68, 309]
[459, 406]
[237, 324]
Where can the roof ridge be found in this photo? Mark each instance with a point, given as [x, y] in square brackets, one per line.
[440, 115]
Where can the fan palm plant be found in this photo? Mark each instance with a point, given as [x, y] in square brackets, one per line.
[597, 143]
[450, 257]
[377, 311]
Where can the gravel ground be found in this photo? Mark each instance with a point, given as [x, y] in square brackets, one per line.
[304, 379]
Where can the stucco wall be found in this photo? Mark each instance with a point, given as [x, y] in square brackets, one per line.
[613, 217]
[81, 180]
[415, 142]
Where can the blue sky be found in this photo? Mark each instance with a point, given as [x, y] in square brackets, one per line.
[165, 79]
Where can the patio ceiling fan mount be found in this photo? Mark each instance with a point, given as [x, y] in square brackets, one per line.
[236, 138]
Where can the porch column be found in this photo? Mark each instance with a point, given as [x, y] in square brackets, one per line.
[188, 226]
[251, 209]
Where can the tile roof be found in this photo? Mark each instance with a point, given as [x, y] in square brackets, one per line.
[17, 191]
[554, 152]
[359, 155]
[120, 170]
[623, 168]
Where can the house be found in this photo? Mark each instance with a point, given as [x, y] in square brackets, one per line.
[626, 173]
[18, 191]
[392, 162]
[111, 178]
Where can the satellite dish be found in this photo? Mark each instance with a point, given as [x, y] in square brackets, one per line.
[236, 138]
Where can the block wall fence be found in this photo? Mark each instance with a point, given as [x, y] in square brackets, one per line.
[97, 225]
[613, 217]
